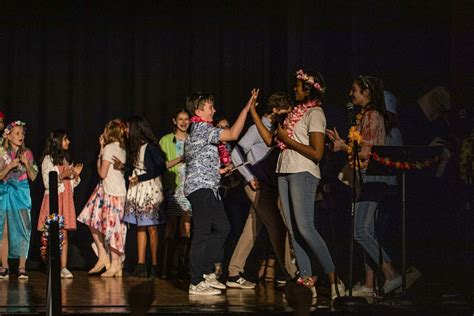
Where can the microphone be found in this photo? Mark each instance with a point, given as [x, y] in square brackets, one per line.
[351, 114]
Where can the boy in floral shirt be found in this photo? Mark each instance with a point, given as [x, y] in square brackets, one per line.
[210, 224]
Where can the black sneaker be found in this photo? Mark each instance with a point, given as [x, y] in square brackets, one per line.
[154, 271]
[4, 273]
[140, 271]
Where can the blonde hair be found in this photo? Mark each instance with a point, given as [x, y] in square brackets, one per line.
[115, 132]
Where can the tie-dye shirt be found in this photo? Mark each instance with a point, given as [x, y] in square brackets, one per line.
[18, 173]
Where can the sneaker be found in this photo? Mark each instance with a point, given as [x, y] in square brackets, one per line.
[361, 290]
[203, 288]
[391, 285]
[340, 288]
[154, 271]
[211, 279]
[240, 283]
[66, 274]
[413, 274]
[4, 273]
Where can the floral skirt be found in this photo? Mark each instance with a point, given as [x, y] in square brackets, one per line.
[143, 206]
[104, 213]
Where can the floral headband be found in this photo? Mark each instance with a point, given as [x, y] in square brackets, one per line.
[9, 127]
[309, 79]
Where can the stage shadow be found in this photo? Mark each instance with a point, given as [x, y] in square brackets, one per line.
[140, 297]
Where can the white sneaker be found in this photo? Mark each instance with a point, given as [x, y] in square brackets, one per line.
[66, 274]
[361, 290]
[241, 283]
[202, 289]
[391, 285]
[212, 281]
[413, 274]
[341, 288]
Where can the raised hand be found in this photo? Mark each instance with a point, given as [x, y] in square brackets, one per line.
[101, 141]
[23, 158]
[14, 163]
[252, 102]
[333, 135]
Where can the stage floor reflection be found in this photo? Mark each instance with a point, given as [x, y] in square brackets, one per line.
[85, 294]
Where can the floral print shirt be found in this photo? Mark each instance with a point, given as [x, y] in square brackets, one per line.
[202, 158]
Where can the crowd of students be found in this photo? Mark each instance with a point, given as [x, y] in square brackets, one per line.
[181, 182]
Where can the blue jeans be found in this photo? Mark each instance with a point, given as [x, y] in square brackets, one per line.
[364, 229]
[297, 194]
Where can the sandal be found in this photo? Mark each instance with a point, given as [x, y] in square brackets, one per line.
[4, 273]
[22, 275]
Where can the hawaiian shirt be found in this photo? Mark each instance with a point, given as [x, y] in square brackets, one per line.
[202, 158]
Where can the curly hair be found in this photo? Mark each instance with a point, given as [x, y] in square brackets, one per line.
[115, 132]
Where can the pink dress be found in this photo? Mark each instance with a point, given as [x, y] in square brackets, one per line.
[65, 196]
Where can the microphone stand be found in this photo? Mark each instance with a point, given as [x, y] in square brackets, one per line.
[352, 302]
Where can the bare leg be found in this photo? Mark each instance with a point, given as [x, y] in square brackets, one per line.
[65, 250]
[141, 244]
[153, 232]
[4, 246]
[100, 243]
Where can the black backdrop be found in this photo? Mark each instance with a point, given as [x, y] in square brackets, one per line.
[76, 66]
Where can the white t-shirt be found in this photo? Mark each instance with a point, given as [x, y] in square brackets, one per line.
[291, 161]
[114, 182]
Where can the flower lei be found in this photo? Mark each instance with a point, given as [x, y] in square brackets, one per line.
[404, 165]
[10, 126]
[224, 155]
[309, 79]
[45, 235]
[308, 282]
[294, 117]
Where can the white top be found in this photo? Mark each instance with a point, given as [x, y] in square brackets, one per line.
[46, 167]
[291, 161]
[114, 182]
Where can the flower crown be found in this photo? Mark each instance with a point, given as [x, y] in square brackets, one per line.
[10, 126]
[309, 79]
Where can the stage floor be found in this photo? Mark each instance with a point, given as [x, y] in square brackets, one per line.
[86, 295]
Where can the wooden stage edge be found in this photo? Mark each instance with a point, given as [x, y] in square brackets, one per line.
[85, 295]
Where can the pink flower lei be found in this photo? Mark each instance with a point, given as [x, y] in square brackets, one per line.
[309, 79]
[294, 117]
[224, 154]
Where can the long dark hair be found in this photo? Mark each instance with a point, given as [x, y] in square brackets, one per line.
[54, 148]
[376, 97]
[139, 133]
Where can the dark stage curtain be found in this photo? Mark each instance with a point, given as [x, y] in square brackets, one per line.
[77, 66]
